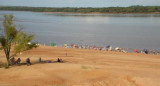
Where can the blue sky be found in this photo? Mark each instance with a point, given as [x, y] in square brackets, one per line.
[78, 3]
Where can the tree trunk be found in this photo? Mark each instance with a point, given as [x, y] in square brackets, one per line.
[7, 57]
[8, 62]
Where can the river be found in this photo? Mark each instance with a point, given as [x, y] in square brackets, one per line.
[141, 31]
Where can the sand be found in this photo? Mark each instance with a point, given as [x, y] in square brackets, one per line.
[82, 68]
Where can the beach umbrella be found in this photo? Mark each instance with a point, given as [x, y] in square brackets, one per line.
[53, 44]
[135, 50]
[76, 46]
[117, 48]
[108, 46]
[65, 45]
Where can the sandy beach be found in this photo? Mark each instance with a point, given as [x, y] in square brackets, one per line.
[82, 67]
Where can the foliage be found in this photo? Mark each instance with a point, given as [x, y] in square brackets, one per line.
[14, 41]
[130, 9]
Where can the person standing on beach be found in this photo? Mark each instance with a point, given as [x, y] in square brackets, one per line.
[66, 53]
[39, 60]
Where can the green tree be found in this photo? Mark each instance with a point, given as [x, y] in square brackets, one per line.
[14, 41]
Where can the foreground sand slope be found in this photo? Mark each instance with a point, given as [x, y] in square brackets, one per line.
[83, 68]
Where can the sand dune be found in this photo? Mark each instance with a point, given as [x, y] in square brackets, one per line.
[83, 68]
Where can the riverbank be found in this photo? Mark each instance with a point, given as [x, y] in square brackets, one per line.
[100, 13]
[82, 67]
[130, 9]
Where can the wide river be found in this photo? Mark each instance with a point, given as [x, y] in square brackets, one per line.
[141, 31]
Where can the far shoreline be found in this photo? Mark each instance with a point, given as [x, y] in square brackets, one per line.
[135, 9]
[87, 12]
[96, 13]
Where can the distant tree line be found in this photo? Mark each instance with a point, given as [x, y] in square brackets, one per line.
[130, 9]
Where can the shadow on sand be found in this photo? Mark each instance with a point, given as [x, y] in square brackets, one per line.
[42, 62]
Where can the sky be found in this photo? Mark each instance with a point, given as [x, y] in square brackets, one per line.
[79, 3]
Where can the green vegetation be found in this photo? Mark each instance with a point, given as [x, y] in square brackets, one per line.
[13, 41]
[86, 67]
[130, 9]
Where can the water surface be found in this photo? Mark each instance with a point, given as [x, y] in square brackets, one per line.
[139, 31]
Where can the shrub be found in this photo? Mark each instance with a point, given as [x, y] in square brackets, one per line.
[3, 65]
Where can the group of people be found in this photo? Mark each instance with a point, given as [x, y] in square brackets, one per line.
[107, 48]
[28, 62]
[14, 61]
[110, 48]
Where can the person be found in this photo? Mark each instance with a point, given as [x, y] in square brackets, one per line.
[110, 48]
[66, 53]
[107, 47]
[18, 61]
[12, 60]
[39, 60]
[59, 60]
[28, 61]
[145, 51]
